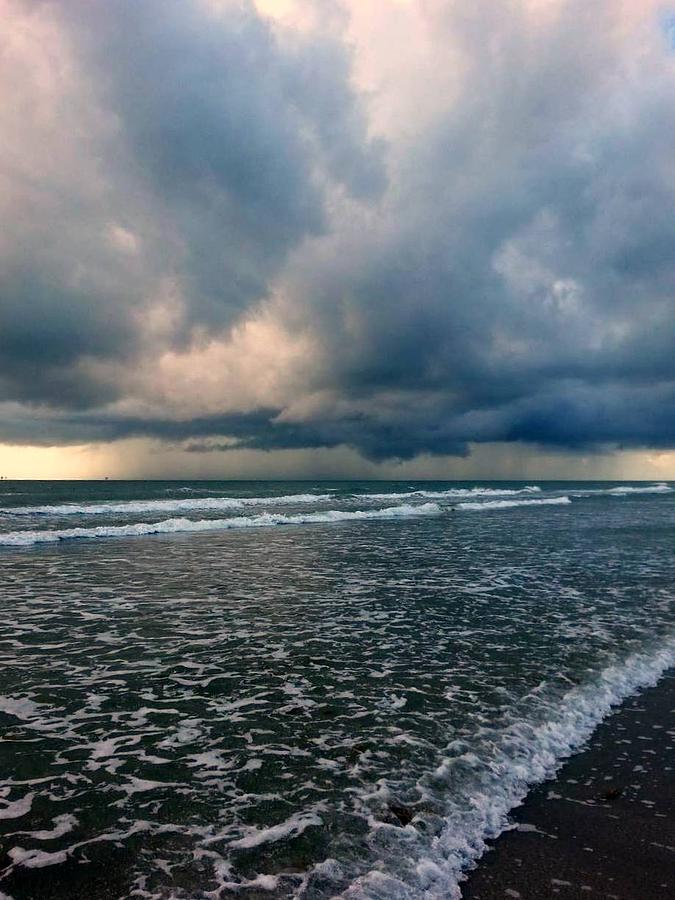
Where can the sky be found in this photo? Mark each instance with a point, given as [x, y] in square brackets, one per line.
[337, 238]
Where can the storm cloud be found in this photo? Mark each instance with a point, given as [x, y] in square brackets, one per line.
[401, 227]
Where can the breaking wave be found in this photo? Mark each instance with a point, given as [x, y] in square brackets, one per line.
[507, 504]
[173, 526]
[659, 488]
[457, 493]
[202, 504]
[627, 490]
[498, 774]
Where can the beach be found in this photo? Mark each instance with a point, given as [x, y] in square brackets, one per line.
[337, 449]
[605, 827]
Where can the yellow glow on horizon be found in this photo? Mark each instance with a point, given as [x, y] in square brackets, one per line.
[23, 462]
[145, 458]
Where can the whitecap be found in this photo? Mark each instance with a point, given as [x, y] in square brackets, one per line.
[456, 493]
[507, 504]
[659, 488]
[626, 490]
[175, 526]
[131, 507]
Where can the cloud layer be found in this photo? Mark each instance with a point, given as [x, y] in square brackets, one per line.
[400, 227]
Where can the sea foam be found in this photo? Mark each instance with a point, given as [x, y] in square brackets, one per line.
[190, 504]
[172, 526]
[505, 768]
[456, 493]
[507, 504]
[660, 487]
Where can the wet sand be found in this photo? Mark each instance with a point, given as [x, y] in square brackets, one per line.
[605, 827]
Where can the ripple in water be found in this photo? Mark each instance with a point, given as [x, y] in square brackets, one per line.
[348, 708]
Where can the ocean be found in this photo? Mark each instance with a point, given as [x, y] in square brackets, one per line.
[306, 689]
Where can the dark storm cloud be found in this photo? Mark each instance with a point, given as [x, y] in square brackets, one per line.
[257, 430]
[513, 281]
[196, 147]
[224, 127]
[526, 279]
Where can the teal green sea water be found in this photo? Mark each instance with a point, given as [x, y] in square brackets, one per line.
[309, 689]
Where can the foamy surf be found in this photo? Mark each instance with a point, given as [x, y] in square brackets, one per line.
[508, 504]
[175, 526]
[299, 690]
[191, 504]
[224, 503]
[660, 488]
[626, 490]
[504, 767]
[456, 493]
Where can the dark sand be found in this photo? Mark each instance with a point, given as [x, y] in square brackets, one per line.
[605, 827]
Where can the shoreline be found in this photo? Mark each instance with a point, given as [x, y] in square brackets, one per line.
[604, 826]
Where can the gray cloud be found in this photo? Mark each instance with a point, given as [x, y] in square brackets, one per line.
[197, 148]
[526, 283]
[512, 280]
[225, 129]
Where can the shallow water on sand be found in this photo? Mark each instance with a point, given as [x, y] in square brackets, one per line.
[309, 689]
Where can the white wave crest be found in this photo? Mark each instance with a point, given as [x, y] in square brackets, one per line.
[513, 761]
[660, 488]
[172, 526]
[190, 504]
[507, 504]
[457, 493]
